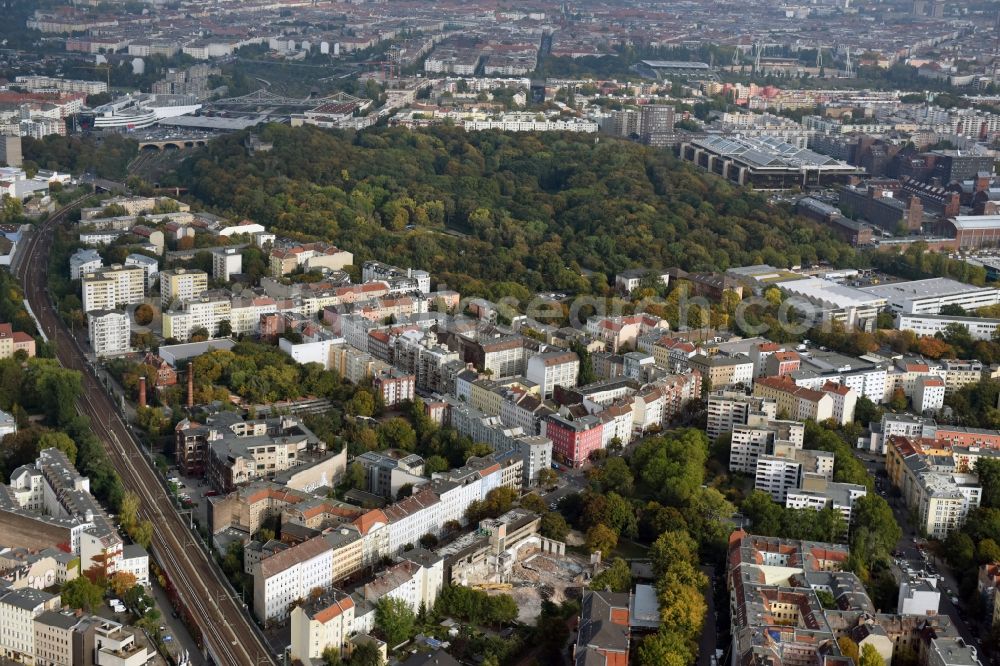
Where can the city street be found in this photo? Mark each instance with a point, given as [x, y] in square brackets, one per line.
[914, 557]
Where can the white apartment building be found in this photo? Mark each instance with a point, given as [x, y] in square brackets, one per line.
[374, 529]
[819, 368]
[113, 287]
[148, 264]
[918, 597]
[618, 423]
[825, 494]
[903, 425]
[373, 271]
[290, 575]
[312, 351]
[18, 610]
[100, 237]
[536, 452]
[943, 501]
[84, 261]
[109, 332]
[928, 394]
[505, 357]
[958, 374]
[749, 442]
[529, 122]
[135, 560]
[929, 325]
[416, 581]
[525, 411]
[787, 468]
[319, 624]
[34, 83]
[226, 262]
[181, 284]
[777, 475]
[551, 369]
[455, 498]
[845, 399]
[727, 409]
[245, 312]
[207, 312]
[412, 518]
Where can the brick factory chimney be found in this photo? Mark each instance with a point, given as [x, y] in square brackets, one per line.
[142, 391]
[190, 401]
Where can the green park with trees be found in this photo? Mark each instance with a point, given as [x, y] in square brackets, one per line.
[482, 207]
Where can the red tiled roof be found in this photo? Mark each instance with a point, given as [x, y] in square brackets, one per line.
[839, 389]
[368, 520]
[333, 610]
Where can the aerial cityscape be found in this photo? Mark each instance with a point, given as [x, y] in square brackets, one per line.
[500, 333]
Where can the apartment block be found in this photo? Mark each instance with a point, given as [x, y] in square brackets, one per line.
[109, 332]
[245, 312]
[207, 311]
[12, 341]
[113, 287]
[181, 284]
[389, 470]
[291, 575]
[573, 440]
[226, 262]
[308, 256]
[394, 386]
[928, 394]
[18, 610]
[83, 261]
[721, 371]
[786, 469]
[820, 493]
[727, 409]
[932, 485]
[321, 623]
[416, 580]
[796, 402]
[399, 280]
[551, 369]
[148, 264]
[750, 442]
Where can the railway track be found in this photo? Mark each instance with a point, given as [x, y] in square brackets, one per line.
[229, 635]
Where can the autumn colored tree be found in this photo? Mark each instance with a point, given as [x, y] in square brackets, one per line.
[121, 582]
[934, 348]
[602, 538]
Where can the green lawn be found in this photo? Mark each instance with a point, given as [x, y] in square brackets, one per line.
[630, 550]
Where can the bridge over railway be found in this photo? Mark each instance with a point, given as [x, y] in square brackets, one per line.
[178, 143]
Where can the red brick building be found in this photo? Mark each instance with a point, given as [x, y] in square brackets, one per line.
[574, 441]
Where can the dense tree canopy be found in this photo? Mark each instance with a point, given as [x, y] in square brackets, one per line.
[537, 206]
[107, 158]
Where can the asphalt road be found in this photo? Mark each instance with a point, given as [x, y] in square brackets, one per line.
[914, 557]
[228, 633]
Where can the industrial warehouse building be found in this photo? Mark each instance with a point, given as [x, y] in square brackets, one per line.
[766, 163]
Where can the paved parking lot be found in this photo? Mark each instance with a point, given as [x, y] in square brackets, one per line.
[194, 490]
